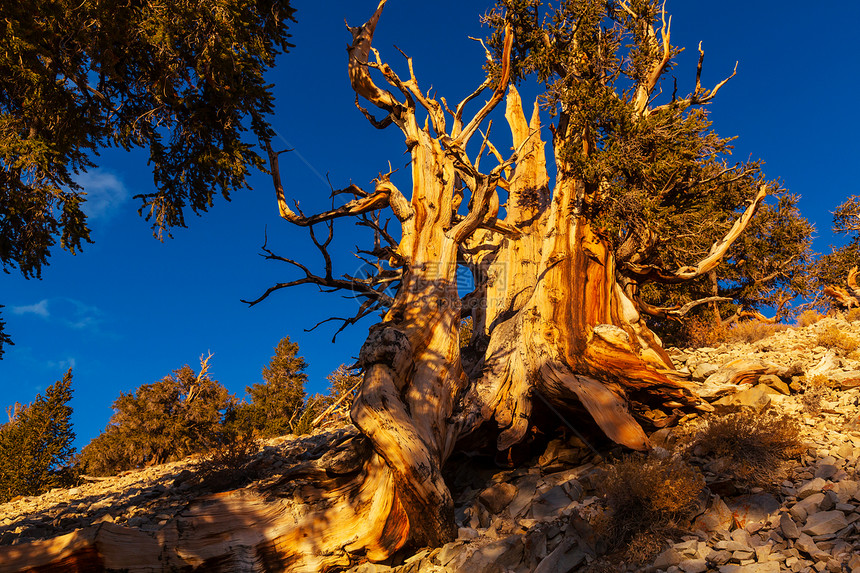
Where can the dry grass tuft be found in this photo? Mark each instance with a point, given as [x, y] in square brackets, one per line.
[752, 331]
[834, 338]
[647, 499]
[815, 390]
[853, 315]
[224, 466]
[700, 333]
[808, 318]
[754, 446]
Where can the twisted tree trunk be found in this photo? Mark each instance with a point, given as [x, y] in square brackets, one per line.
[845, 298]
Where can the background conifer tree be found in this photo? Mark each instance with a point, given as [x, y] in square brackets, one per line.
[280, 400]
[177, 416]
[181, 80]
[832, 268]
[36, 444]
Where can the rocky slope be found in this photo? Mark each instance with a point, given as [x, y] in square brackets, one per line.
[538, 516]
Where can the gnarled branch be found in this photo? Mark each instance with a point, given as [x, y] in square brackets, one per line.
[645, 273]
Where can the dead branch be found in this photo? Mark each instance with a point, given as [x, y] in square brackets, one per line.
[676, 312]
[362, 204]
[463, 137]
[359, 76]
[337, 403]
[658, 66]
[700, 95]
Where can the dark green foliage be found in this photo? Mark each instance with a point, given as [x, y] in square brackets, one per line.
[279, 403]
[766, 267]
[36, 444]
[4, 338]
[183, 79]
[660, 186]
[177, 416]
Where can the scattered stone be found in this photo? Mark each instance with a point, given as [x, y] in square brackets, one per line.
[811, 487]
[788, 527]
[824, 522]
[497, 497]
[693, 566]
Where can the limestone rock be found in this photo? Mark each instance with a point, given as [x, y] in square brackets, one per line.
[824, 522]
[498, 496]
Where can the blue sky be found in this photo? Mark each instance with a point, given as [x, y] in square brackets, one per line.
[129, 310]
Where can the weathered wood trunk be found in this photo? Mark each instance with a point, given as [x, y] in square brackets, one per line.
[554, 315]
[845, 298]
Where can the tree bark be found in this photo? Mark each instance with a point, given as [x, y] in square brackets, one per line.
[845, 298]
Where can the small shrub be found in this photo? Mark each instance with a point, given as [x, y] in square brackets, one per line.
[699, 333]
[808, 318]
[754, 445]
[853, 315]
[815, 390]
[752, 331]
[834, 338]
[647, 498]
[224, 466]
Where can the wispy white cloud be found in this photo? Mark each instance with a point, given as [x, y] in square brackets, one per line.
[105, 193]
[78, 315]
[39, 309]
[69, 312]
[62, 365]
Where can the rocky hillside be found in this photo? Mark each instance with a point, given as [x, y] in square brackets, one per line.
[544, 515]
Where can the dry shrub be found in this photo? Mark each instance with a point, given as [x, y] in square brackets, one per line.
[755, 446]
[853, 315]
[700, 333]
[808, 318]
[752, 331]
[815, 390]
[225, 465]
[834, 338]
[648, 498]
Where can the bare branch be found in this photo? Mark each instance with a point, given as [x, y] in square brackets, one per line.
[363, 203]
[463, 137]
[378, 124]
[676, 312]
[658, 66]
[701, 95]
[359, 76]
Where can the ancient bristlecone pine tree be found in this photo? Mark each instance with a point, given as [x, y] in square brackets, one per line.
[640, 194]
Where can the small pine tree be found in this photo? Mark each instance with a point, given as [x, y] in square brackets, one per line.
[36, 444]
[279, 402]
[342, 384]
[180, 415]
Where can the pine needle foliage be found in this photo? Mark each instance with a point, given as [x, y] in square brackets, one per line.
[182, 80]
[278, 404]
[179, 415]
